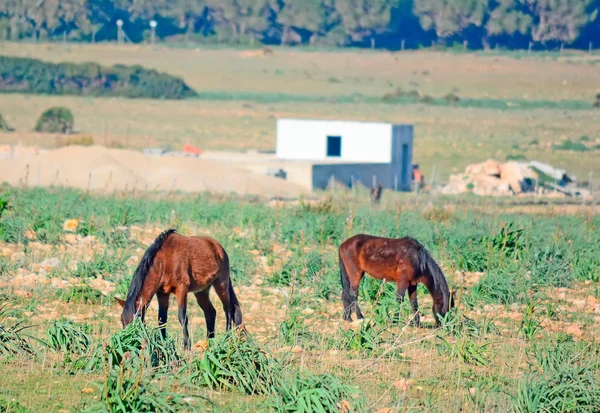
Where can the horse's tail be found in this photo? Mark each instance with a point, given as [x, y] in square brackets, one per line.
[427, 265]
[142, 270]
[234, 305]
[346, 291]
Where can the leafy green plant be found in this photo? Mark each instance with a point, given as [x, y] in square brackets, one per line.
[82, 294]
[366, 337]
[466, 349]
[101, 264]
[128, 387]
[13, 339]
[294, 330]
[456, 324]
[508, 242]
[65, 337]
[569, 145]
[56, 120]
[134, 339]
[316, 393]
[562, 351]
[4, 203]
[236, 361]
[530, 326]
[11, 406]
[566, 390]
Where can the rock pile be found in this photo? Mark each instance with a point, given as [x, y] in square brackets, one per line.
[491, 178]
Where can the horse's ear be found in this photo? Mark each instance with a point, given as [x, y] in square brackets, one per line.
[121, 302]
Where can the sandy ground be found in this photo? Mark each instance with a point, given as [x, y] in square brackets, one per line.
[101, 169]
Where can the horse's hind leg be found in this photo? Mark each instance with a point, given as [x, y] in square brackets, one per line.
[359, 313]
[182, 315]
[163, 310]
[210, 314]
[222, 290]
[351, 275]
[414, 304]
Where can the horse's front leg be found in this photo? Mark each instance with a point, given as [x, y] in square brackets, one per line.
[163, 310]
[401, 287]
[414, 305]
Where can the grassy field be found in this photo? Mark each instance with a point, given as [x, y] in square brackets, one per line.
[510, 105]
[523, 338]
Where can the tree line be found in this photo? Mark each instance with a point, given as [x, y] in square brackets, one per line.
[392, 24]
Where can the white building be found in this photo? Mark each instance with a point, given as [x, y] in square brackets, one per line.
[349, 152]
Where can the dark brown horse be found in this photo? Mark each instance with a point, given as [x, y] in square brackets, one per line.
[403, 261]
[178, 265]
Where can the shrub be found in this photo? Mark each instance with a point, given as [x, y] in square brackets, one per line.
[426, 99]
[140, 342]
[566, 390]
[317, 393]
[11, 406]
[236, 361]
[23, 75]
[12, 340]
[82, 294]
[452, 99]
[63, 336]
[55, 120]
[569, 145]
[129, 387]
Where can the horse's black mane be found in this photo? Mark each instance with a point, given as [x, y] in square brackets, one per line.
[142, 270]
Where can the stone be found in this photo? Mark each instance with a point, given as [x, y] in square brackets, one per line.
[308, 311]
[71, 239]
[574, 330]
[511, 173]
[70, 225]
[344, 406]
[491, 168]
[255, 307]
[592, 301]
[50, 263]
[403, 384]
[297, 350]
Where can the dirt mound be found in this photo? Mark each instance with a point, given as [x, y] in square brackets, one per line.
[99, 168]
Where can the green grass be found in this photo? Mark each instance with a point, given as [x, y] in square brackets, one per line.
[487, 360]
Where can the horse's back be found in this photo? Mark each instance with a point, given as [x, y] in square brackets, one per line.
[361, 241]
[382, 257]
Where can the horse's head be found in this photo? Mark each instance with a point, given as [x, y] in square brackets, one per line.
[439, 309]
[126, 318]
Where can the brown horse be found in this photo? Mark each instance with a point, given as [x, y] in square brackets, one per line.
[178, 265]
[403, 261]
